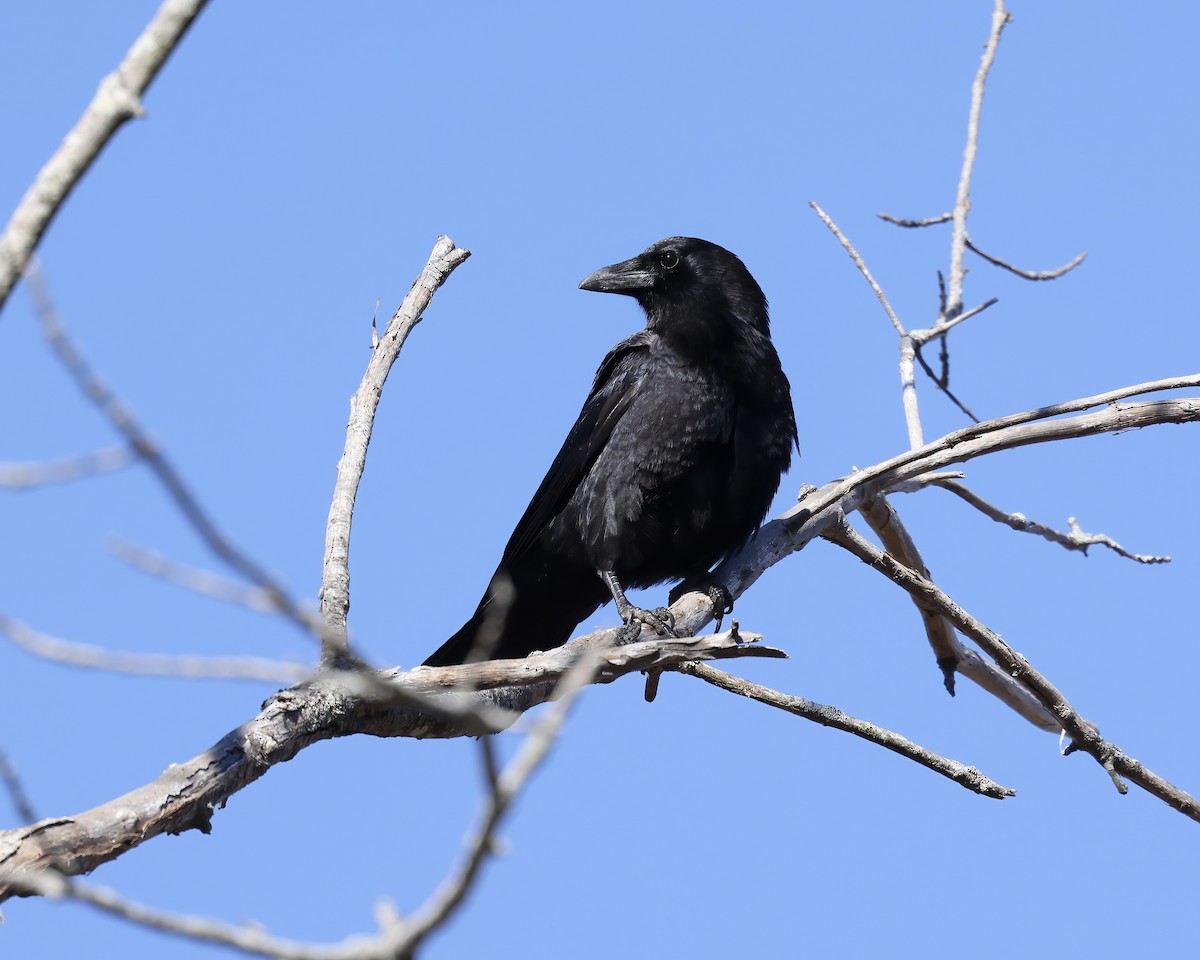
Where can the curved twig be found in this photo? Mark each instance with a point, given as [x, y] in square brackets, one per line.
[335, 579]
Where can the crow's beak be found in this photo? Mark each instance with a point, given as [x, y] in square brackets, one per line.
[628, 277]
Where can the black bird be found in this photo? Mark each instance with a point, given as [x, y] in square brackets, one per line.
[669, 469]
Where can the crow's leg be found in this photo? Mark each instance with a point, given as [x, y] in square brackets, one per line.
[660, 620]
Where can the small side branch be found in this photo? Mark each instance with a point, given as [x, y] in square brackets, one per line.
[962, 202]
[1077, 539]
[117, 100]
[861, 264]
[1027, 274]
[23, 476]
[92, 657]
[204, 582]
[335, 578]
[828, 716]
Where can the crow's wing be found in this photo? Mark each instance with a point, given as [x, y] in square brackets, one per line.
[617, 382]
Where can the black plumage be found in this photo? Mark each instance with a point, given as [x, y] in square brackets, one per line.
[669, 469]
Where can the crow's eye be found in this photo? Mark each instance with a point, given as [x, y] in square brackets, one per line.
[669, 259]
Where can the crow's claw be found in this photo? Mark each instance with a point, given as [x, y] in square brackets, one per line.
[660, 620]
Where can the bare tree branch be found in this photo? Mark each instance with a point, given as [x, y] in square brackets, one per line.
[22, 476]
[962, 201]
[399, 937]
[117, 100]
[828, 716]
[335, 579]
[1084, 734]
[337, 703]
[151, 664]
[204, 582]
[123, 420]
[1075, 540]
[862, 267]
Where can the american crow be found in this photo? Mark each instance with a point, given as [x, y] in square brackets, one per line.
[669, 469]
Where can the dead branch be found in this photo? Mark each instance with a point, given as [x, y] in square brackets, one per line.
[962, 201]
[335, 579]
[1075, 540]
[336, 703]
[117, 100]
[16, 789]
[1084, 734]
[204, 582]
[1027, 274]
[94, 657]
[398, 936]
[828, 716]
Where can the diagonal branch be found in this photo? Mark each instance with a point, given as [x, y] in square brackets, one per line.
[335, 579]
[1084, 735]
[16, 790]
[117, 100]
[1075, 540]
[953, 656]
[962, 201]
[123, 420]
[204, 582]
[828, 716]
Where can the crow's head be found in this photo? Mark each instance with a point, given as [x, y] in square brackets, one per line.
[682, 281]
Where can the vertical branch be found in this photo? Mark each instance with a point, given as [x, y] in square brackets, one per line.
[335, 578]
[962, 202]
[117, 100]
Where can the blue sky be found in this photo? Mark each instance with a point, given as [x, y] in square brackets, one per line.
[220, 265]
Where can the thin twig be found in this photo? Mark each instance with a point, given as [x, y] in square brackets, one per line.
[335, 578]
[942, 382]
[117, 100]
[858, 262]
[828, 716]
[962, 202]
[204, 582]
[94, 657]
[398, 937]
[22, 476]
[927, 222]
[1077, 539]
[1027, 274]
[16, 790]
[123, 420]
[908, 385]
